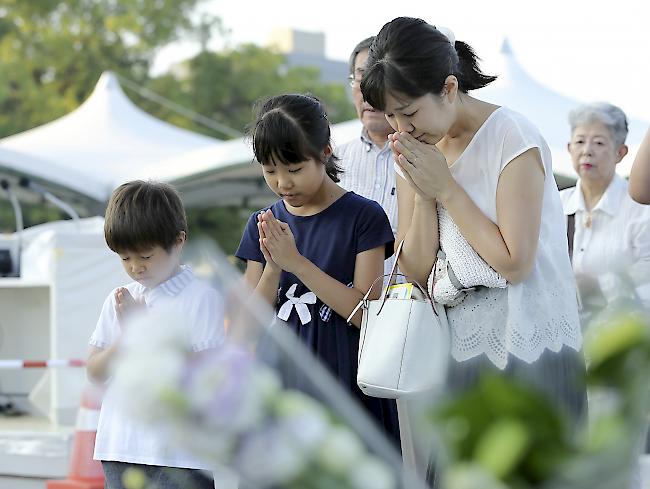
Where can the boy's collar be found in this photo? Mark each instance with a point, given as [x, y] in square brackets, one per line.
[174, 285]
[169, 288]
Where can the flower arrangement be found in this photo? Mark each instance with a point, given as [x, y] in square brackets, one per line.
[230, 410]
[502, 435]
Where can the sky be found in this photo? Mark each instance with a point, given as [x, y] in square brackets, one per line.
[587, 50]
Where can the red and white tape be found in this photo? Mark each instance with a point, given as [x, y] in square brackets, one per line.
[20, 364]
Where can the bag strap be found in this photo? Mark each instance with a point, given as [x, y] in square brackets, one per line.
[451, 274]
[570, 232]
[394, 268]
[450, 271]
[365, 297]
[391, 275]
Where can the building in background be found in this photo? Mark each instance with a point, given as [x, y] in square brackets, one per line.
[303, 48]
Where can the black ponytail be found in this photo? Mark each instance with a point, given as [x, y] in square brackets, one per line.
[470, 76]
[413, 58]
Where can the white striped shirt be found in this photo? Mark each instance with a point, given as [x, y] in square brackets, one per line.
[369, 172]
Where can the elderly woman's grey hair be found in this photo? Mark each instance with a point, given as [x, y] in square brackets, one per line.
[609, 115]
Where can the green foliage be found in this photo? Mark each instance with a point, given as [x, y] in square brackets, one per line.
[225, 85]
[616, 348]
[502, 435]
[224, 225]
[32, 214]
[511, 431]
[53, 52]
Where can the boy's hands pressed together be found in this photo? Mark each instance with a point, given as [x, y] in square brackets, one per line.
[126, 305]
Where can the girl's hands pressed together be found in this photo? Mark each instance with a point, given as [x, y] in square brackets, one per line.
[424, 166]
[270, 264]
[279, 242]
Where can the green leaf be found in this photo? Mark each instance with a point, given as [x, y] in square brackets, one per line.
[502, 446]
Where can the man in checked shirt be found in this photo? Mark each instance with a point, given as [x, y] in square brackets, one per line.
[367, 159]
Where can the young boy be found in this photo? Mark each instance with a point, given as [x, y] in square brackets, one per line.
[146, 226]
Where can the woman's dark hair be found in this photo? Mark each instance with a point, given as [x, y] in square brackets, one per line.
[290, 129]
[141, 215]
[413, 58]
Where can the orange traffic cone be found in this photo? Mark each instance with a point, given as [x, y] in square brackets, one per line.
[84, 473]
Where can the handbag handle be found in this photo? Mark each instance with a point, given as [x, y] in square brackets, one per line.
[391, 275]
[398, 252]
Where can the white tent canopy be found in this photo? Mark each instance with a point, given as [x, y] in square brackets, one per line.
[58, 178]
[548, 110]
[226, 173]
[102, 143]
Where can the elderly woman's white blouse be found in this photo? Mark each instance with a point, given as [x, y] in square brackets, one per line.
[613, 237]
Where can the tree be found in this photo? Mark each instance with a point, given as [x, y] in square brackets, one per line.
[225, 85]
[52, 52]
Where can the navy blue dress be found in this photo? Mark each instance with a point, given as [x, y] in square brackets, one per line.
[331, 240]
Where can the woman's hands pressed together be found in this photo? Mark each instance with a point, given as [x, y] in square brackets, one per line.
[423, 165]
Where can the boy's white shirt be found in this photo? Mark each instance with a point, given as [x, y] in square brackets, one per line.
[119, 438]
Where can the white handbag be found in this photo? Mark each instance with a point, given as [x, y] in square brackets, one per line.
[404, 343]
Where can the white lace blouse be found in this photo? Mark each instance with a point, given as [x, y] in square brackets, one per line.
[541, 312]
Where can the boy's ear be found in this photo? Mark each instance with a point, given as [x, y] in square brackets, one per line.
[327, 152]
[182, 237]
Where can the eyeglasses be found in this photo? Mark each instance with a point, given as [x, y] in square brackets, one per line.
[355, 80]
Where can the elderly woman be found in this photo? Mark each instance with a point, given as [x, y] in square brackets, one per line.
[609, 233]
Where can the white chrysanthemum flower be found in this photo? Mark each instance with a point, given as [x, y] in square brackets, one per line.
[269, 457]
[205, 377]
[226, 408]
[303, 419]
[228, 391]
[266, 383]
[147, 385]
[293, 403]
[370, 473]
[340, 451]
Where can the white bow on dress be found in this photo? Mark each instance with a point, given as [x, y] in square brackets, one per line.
[299, 303]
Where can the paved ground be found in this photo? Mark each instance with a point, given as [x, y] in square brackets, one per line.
[21, 483]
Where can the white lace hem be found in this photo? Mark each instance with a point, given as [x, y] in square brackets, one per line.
[498, 346]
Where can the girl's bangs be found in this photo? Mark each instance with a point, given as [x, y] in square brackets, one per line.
[277, 140]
